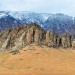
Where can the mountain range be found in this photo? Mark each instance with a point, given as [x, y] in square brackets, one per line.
[59, 23]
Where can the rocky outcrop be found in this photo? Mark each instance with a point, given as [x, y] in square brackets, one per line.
[17, 38]
[66, 41]
[72, 37]
[73, 44]
[58, 41]
[6, 43]
[30, 35]
[51, 39]
[47, 37]
[37, 36]
[19, 43]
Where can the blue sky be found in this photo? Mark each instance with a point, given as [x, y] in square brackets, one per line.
[43, 6]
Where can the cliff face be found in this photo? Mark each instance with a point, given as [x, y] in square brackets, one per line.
[19, 37]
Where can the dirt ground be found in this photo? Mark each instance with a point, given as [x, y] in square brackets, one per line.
[36, 60]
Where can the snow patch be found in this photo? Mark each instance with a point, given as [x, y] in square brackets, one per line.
[2, 15]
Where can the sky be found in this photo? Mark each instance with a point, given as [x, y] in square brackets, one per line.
[42, 6]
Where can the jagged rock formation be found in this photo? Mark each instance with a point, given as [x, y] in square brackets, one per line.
[37, 36]
[30, 35]
[66, 41]
[19, 43]
[18, 37]
[52, 40]
[49, 39]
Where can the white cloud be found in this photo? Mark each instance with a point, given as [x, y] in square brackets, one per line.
[50, 6]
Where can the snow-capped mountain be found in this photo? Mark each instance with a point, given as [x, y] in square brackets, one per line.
[57, 22]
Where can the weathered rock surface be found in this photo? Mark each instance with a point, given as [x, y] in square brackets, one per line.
[37, 36]
[30, 35]
[19, 43]
[73, 44]
[66, 41]
[6, 43]
[18, 37]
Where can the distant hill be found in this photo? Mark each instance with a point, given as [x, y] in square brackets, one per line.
[59, 23]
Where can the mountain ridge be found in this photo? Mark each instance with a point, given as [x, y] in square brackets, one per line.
[59, 23]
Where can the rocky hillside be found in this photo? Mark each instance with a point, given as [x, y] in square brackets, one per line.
[59, 23]
[18, 37]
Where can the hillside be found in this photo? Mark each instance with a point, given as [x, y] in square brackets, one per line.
[31, 50]
[38, 60]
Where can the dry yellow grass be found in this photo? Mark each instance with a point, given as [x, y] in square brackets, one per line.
[36, 60]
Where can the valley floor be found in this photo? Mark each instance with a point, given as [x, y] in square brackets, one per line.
[36, 60]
